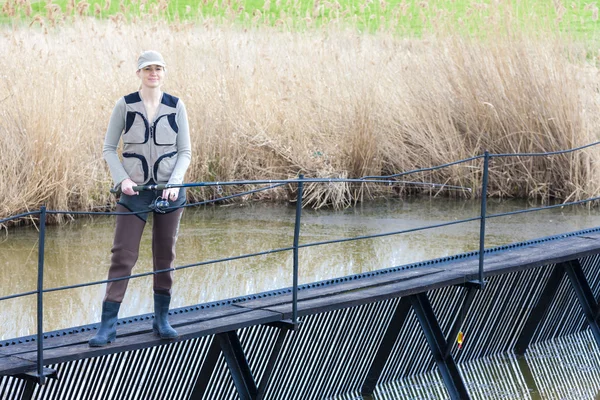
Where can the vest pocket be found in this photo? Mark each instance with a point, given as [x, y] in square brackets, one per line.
[136, 167]
[136, 128]
[163, 167]
[165, 130]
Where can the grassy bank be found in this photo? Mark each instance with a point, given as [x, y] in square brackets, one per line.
[272, 103]
[406, 17]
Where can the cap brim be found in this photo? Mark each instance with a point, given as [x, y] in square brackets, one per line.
[145, 64]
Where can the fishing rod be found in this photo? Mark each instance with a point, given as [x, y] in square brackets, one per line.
[163, 186]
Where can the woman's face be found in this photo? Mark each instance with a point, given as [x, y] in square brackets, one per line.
[151, 76]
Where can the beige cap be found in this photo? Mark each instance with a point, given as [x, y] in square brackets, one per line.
[150, 58]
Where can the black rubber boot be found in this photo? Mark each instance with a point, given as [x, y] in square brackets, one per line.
[160, 325]
[107, 333]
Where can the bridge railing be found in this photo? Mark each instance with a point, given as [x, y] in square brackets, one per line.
[295, 246]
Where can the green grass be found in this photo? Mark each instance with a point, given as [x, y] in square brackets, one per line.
[406, 17]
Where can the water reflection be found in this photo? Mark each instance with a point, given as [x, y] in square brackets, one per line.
[80, 252]
[567, 368]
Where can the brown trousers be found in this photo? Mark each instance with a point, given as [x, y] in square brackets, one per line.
[126, 247]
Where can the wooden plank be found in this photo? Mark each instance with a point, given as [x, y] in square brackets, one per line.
[145, 340]
[371, 294]
[183, 318]
[320, 291]
[535, 255]
[128, 329]
[16, 365]
[134, 330]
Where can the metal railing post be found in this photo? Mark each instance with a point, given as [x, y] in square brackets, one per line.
[40, 298]
[484, 186]
[296, 241]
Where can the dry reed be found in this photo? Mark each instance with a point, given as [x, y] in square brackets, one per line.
[265, 103]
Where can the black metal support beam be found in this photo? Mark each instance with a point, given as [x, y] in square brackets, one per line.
[438, 346]
[32, 379]
[286, 324]
[468, 299]
[537, 315]
[266, 378]
[27, 393]
[206, 370]
[238, 365]
[229, 344]
[585, 296]
[386, 345]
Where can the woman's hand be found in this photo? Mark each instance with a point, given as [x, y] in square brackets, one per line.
[170, 194]
[127, 187]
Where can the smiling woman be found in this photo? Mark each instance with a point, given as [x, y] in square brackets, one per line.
[156, 150]
[151, 76]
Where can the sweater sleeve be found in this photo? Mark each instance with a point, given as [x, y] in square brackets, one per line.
[116, 126]
[184, 148]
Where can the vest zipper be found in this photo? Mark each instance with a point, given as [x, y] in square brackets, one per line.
[148, 126]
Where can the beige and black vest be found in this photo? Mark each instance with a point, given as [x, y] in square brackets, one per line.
[150, 148]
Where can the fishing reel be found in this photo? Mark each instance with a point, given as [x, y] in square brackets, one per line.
[160, 205]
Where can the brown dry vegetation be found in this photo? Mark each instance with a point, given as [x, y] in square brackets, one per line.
[325, 103]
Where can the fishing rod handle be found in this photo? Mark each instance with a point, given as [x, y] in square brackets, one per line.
[139, 188]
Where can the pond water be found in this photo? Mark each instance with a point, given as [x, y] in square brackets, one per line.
[79, 252]
[566, 368]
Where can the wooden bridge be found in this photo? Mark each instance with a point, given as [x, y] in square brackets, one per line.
[343, 337]
[354, 333]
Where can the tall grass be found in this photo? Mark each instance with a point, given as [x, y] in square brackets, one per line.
[273, 103]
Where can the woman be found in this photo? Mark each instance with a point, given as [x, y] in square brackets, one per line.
[156, 149]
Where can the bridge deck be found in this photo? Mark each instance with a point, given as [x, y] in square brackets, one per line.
[19, 358]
